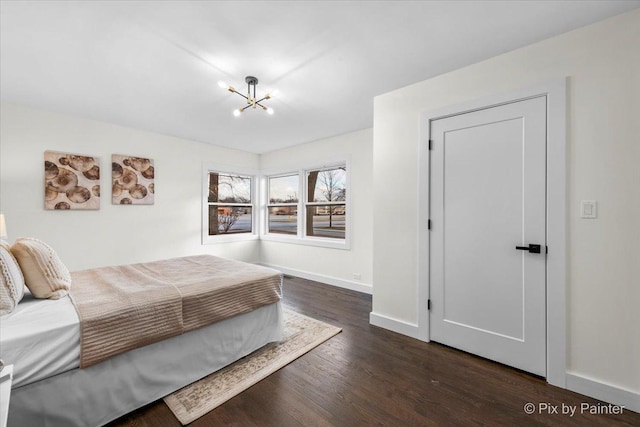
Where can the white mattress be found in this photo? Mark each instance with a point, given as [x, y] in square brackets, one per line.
[41, 338]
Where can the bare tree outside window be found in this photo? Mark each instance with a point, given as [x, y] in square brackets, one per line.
[326, 199]
[332, 188]
[230, 209]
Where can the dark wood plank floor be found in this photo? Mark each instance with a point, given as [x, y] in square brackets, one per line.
[369, 376]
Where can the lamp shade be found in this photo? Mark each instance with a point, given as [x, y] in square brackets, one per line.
[3, 227]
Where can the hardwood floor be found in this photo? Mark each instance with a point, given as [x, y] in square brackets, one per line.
[370, 376]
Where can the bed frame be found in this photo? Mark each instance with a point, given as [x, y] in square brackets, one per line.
[103, 392]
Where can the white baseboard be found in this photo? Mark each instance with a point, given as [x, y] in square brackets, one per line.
[395, 325]
[334, 281]
[605, 392]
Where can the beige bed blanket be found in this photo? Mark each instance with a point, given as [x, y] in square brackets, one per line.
[129, 306]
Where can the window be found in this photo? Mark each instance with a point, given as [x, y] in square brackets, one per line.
[229, 204]
[326, 203]
[282, 206]
[308, 207]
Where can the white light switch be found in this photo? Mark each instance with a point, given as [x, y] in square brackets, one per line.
[588, 209]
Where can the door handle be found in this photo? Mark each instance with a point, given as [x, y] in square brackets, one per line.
[534, 249]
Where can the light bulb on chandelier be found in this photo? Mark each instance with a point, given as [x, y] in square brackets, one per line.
[251, 99]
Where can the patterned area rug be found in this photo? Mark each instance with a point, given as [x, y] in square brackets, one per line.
[301, 334]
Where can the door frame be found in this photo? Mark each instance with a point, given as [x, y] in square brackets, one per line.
[556, 188]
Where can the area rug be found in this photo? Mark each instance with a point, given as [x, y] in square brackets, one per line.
[301, 334]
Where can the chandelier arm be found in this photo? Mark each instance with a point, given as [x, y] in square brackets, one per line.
[242, 95]
[260, 100]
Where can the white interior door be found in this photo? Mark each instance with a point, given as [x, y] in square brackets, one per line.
[488, 196]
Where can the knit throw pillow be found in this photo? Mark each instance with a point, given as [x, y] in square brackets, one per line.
[11, 280]
[44, 274]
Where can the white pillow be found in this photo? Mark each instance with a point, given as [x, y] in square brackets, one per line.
[44, 273]
[11, 280]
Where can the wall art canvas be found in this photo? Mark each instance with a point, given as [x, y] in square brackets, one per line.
[71, 181]
[132, 180]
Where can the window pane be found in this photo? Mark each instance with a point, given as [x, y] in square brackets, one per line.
[283, 189]
[230, 219]
[326, 221]
[327, 185]
[228, 188]
[283, 220]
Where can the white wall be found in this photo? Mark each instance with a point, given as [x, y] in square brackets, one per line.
[114, 234]
[335, 266]
[603, 63]
[171, 227]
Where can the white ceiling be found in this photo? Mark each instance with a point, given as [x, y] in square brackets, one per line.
[155, 65]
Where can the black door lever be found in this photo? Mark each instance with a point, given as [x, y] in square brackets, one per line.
[534, 249]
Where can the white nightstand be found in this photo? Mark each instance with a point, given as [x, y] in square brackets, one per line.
[6, 377]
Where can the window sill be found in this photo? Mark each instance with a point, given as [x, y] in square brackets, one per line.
[308, 241]
[228, 238]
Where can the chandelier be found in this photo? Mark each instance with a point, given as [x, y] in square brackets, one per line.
[252, 100]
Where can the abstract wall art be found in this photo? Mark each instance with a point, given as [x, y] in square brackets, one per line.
[132, 180]
[71, 181]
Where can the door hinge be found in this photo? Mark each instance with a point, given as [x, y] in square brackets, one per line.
[429, 224]
[428, 304]
[431, 144]
[547, 248]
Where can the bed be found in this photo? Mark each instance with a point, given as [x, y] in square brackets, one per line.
[42, 338]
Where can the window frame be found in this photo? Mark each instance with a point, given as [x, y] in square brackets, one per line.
[268, 204]
[207, 239]
[301, 238]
